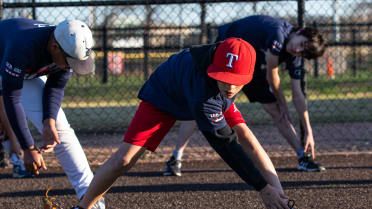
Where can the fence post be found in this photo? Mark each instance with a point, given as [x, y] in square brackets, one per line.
[203, 29]
[33, 10]
[300, 13]
[316, 61]
[209, 33]
[146, 42]
[1, 9]
[301, 23]
[354, 58]
[104, 47]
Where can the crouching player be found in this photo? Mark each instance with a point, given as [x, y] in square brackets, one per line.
[198, 84]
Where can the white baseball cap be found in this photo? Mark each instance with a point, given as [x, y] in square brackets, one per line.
[76, 40]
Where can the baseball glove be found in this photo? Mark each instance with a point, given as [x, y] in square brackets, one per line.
[49, 202]
[292, 204]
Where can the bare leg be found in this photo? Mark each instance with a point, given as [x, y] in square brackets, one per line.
[285, 127]
[173, 165]
[15, 147]
[119, 163]
[185, 131]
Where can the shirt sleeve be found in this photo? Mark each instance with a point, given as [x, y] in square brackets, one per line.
[275, 41]
[12, 82]
[209, 115]
[295, 68]
[54, 92]
[233, 116]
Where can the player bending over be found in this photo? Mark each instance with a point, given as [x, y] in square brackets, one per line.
[198, 84]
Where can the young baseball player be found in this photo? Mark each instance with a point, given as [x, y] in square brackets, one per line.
[36, 62]
[199, 84]
[275, 41]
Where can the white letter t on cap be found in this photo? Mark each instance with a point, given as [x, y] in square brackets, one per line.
[231, 57]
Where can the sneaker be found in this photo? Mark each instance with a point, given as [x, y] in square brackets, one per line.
[172, 167]
[100, 204]
[19, 171]
[306, 163]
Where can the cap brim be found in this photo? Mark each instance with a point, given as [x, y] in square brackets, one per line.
[230, 78]
[81, 67]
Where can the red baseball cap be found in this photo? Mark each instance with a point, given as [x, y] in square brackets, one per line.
[233, 62]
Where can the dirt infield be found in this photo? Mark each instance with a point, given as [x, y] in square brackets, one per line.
[331, 139]
[346, 184]
[207, 183]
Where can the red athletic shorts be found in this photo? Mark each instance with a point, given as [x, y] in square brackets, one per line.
[149, 125]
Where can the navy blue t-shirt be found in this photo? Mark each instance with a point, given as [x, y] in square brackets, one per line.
[265, 33]
[184, 90]
[24, 55]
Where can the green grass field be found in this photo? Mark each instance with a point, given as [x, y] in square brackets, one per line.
[94, 106]
[123, 89]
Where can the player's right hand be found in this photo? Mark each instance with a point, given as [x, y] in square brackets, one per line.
[33, 160]
[274, 198]
[50, 135]
[309, 144]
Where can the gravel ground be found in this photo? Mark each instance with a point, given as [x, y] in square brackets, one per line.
[346, 184]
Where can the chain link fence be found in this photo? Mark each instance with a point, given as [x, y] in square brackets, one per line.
[134, 36]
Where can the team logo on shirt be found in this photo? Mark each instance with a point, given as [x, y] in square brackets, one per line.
[277, 46]
[216, 117]
[232, 57]
[13, 71]
[41, 25]
[298, 72]
[263, 67]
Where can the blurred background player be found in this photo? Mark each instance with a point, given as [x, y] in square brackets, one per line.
[276, 41]
[199, 84]
[37, 60]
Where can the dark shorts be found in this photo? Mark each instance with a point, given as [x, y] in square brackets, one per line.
[258, 90]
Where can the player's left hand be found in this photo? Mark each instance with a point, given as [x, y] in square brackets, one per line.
[310, 145]
[50, 135]
[274, 198]
[33, 160]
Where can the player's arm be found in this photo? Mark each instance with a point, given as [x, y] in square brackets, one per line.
[12, 83]
[251, 146]
[52, 99]
[258, 155]
[272, 76]
[7, 128]
[297, 73]
[300, 104]
[224, 141]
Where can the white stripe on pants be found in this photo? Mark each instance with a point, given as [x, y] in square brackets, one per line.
[69, 153]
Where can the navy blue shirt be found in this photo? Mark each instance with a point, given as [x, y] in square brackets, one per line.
[24, 55]
[180, 86]
[265, 33]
